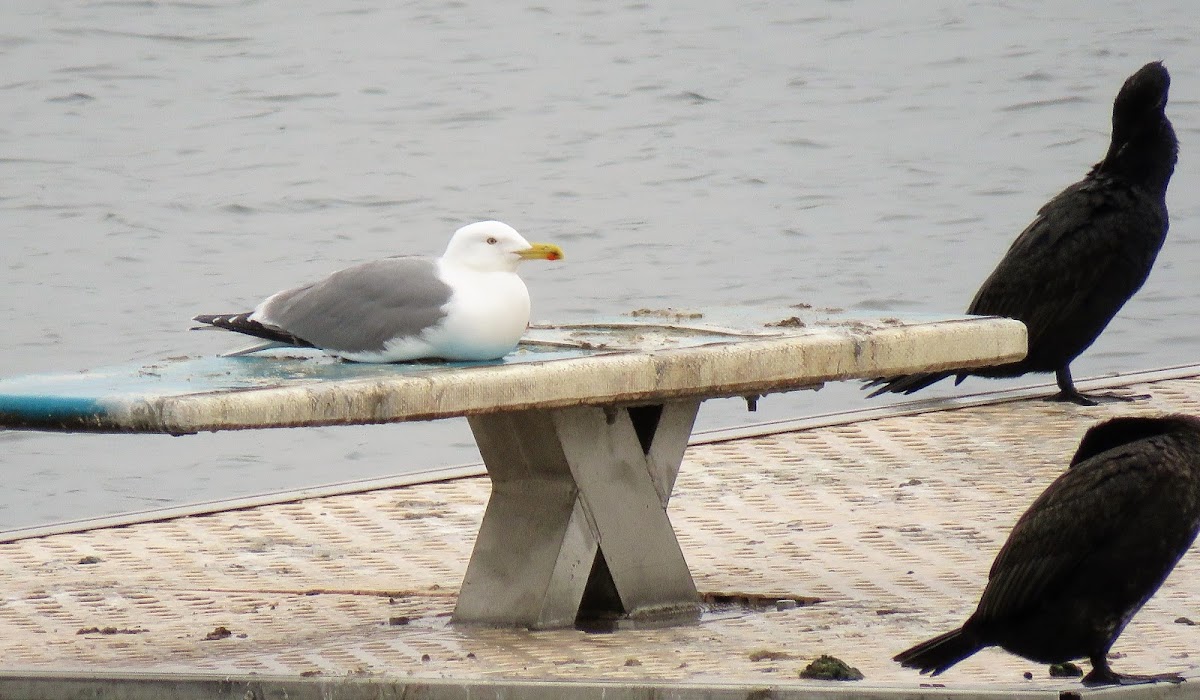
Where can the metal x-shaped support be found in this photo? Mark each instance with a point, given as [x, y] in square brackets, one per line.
[576, 530]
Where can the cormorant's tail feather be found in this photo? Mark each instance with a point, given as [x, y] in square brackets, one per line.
[940, 653]
[241, 323]
[905, 383]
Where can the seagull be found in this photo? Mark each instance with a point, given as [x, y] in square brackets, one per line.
[467, 305]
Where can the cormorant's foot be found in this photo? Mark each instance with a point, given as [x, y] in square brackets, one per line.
[1073, 397]
[1096, 399]
[1106, 676]
[1115, 398]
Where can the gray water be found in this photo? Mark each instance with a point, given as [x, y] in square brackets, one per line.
[162, 159]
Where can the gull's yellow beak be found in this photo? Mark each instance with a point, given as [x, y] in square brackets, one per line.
[541, 251]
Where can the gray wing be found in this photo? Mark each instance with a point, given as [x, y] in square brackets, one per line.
[360, 308]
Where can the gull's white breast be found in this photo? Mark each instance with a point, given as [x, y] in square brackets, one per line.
[485, 317]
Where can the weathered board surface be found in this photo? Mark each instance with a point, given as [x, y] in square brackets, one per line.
[628, 361]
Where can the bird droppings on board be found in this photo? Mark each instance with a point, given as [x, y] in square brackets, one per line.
[670, 313]
[789, 322]
[853, 325]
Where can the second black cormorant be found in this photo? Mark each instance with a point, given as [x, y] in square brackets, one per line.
[1088, 553]
[1089, 249]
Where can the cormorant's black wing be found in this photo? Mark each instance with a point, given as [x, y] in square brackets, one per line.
[1067, 274]
[1122, 505]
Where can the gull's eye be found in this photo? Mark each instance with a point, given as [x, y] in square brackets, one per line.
[492, 240]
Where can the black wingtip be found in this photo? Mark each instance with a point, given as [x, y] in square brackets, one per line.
[242, 323]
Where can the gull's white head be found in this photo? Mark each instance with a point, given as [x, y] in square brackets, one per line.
[492, 246]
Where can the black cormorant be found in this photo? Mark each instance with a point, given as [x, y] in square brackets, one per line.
[1088, 553]
[1089, 249]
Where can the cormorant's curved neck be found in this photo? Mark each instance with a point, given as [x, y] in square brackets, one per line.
[1146, 156]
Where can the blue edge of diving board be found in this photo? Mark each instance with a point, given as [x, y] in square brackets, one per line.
[81, 401]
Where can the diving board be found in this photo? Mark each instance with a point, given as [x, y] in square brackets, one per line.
[582, 430]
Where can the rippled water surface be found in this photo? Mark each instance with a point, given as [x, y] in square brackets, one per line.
[162, 159]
